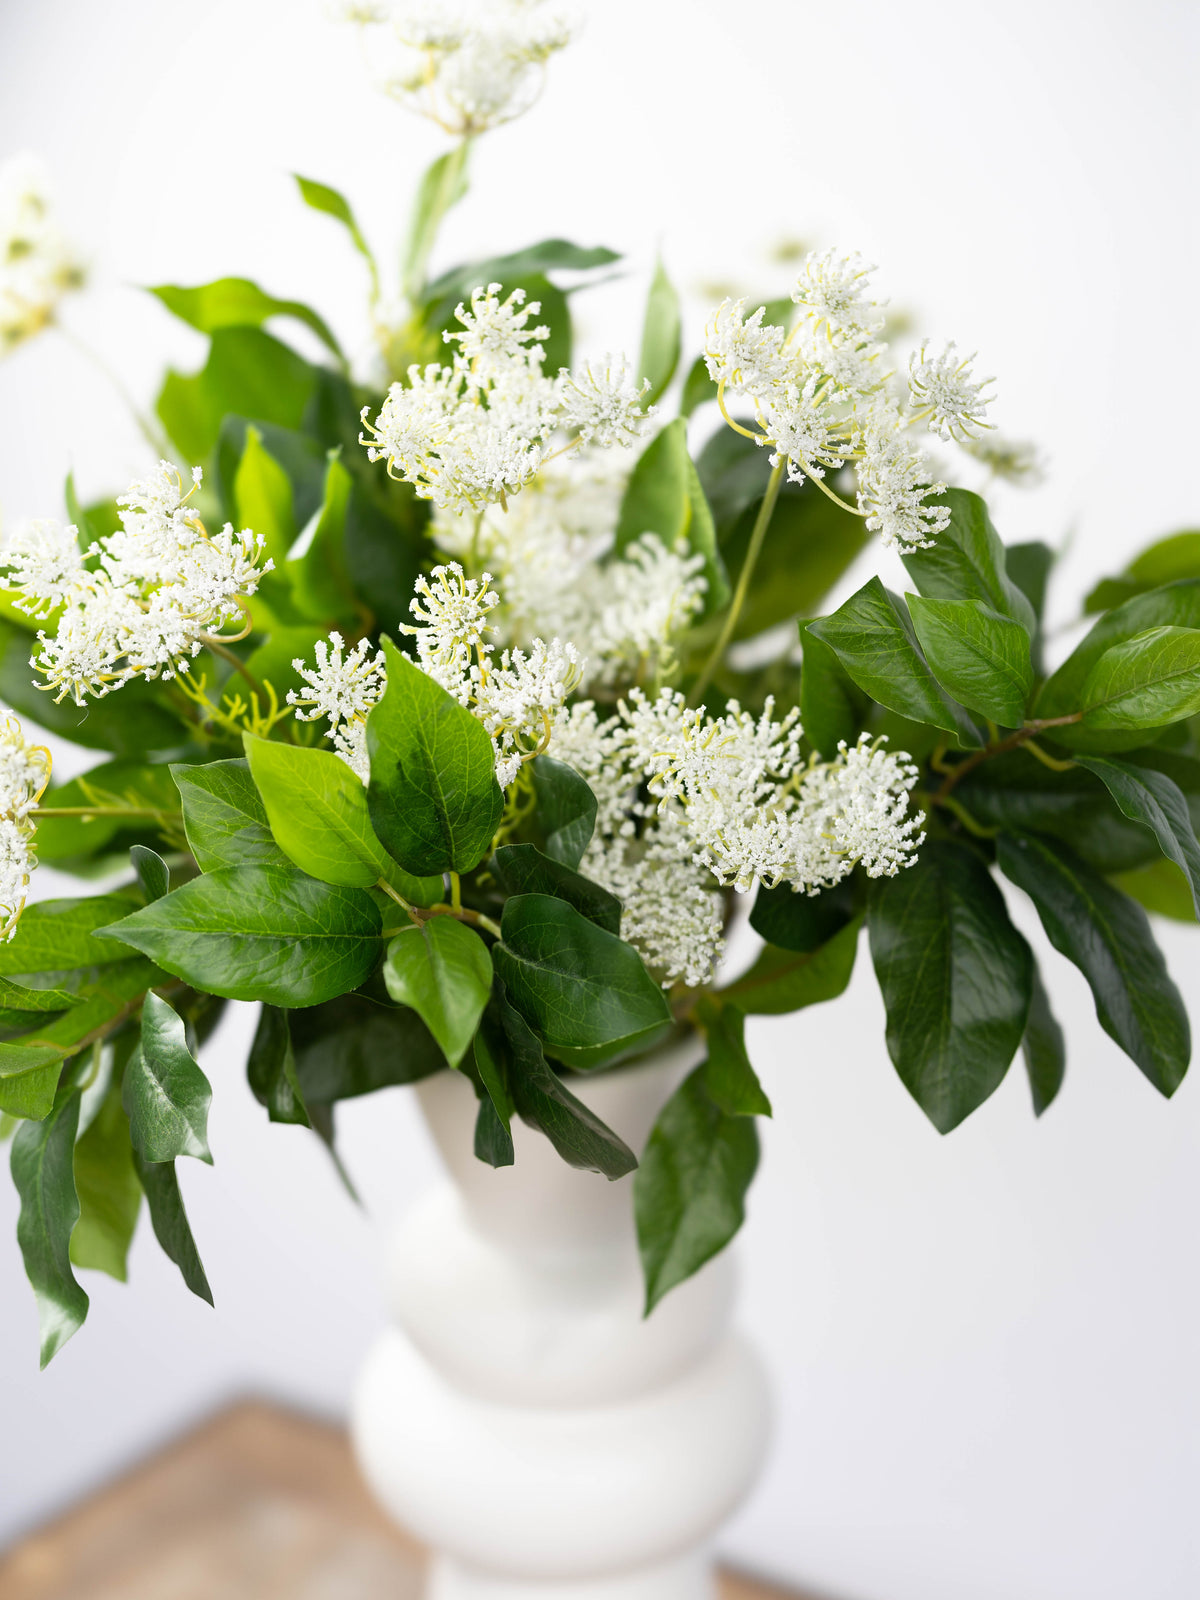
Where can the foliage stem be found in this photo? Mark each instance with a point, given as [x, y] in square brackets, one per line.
[999, 747]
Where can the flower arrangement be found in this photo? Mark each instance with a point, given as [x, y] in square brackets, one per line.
[490, 707]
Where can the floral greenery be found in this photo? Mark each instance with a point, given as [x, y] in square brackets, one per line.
[418, 852]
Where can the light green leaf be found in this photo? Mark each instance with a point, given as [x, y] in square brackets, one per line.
[664, 496]
[981, 657]
[443, 185]
[697, 388]
[110, 1195]
[43, 1172]
[787, 980]
[237, 302]
[322, 198]
[967, 562]
[321, 584]
[151, 871]
[166, 1095]
[444, 972]
[1161, 888]
[262, 497]
[661, 335]
[1145, 682]
[1165, 561]
[248, 373]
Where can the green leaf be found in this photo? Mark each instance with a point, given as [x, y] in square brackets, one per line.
[433, 796]
[832, 706]
[321, 582]
[73, 841]
[664, 496]
[442, 186]
[955, 976]
[873, 638]
[166, 1095]
[59, 939]
[261, 933]
[787, 980]
[661, 335]
[109, 1193]
[262, 499]
[1144, 682]
[729, 1079]
[152, 872]
[1161, 888]
[317, 810]
[160, 1184]
[547, 256]
[493, 1122]
[1165, 561]
[271, 1069]
[542, 1099]
[1043, 1047]
[1153, 799]
[981, 657]
[689, 1192]
[31, 1094]
[1029, 567]
[584, 991]
[793, 920]
[1108, 938]
[271, 661]
[43, 1172]
[224, 818]
[967, 562]
[523, 869]
[1175, 606]
[237, 302]
[566, 809]
[322, 198]
[444, 972]
[353, 1046]
[698, 387]
[247, 372]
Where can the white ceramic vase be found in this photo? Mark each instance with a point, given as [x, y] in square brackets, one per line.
[521, 1416]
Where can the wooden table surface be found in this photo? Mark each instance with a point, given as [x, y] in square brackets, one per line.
[257, 1504]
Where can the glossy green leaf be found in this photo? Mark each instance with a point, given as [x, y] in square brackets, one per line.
[247, 372]
[327, 200]
[730, 1080]
[72, 841]
[967, 562]
[523, 869]
[585, 992]
[317, 810]
[547, 256]
[1108, 938]
[661, 335]
[160, 1184]
[542, 1099]
[832, 706]
[321, 582]
[31, 1093]
[433, 796]
[872, 637]
[444, 972]
[566, 809]
[59, 939]
[152, 872]
[1043, 1047]
[262, 499]
[1156, 801]
[981, 657]
[443, 185]
[271, 1069]
[166, 1095]
[955, 977]
[664, 496]
[238, 302]
[108, 1190]
[1177, 606]
[689, 1191]
[1029, 566]
[261, 933]
[43, 1172]
[1165, 561]
[1144, 682]
[224, 817]
[1159, 887]
[801, 922]
[787, 980]
[352, 1046]
[493, 1121]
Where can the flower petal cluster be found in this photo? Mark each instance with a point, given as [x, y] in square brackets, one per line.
[821, 398]
[37, 264]
[342, 687]
[470, 434]
[24, 774]
[139, 602]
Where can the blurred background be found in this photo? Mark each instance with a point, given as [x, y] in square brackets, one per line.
[983, 1347]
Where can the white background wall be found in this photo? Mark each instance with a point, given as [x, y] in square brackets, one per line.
[983, 1346]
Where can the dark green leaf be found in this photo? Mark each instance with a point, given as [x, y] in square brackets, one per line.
[151, 871]
[43, 1172]
[874, 640]
[955, 976]
[967, 562]
[585, 992]
[353, 1046]
[109, 1193]
[832, 706]
[166, 1095]
[247, 372]
[981, 657]
[433, 796]
[566, 809]
[689, 1192]
[261, 933]
[444, 972]
[787, 980]
[1108, 938]
[793, 920]
[271, 1069]
[730, 1080]
[1029, 567]
[523, 869]
[237, 302]
[322, 198]
[493, 1122]
[661, 336]
[31, 1094]
[1043, 1047]
[1165, 561]
[224, 818]
[1153, 799]
[548, 256]
[664, 496]
[160, 1184]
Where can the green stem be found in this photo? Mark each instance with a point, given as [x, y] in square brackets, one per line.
[103, 811]
[1014, 741]
[758, 534]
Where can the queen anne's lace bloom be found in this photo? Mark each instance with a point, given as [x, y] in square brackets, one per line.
[950, 401]
[893, 485]
[604, 404]
[342, 688]
[160, 585]
[24, 774]
[834, 292]
[37, 265]
[495, 334]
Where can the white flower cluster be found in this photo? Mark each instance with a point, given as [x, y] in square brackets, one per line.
[470, 434]
[24, 774]
[37, 264]
[517, 698]
[468, 67]
[138, 603]
[822, 401]
[552, 553]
